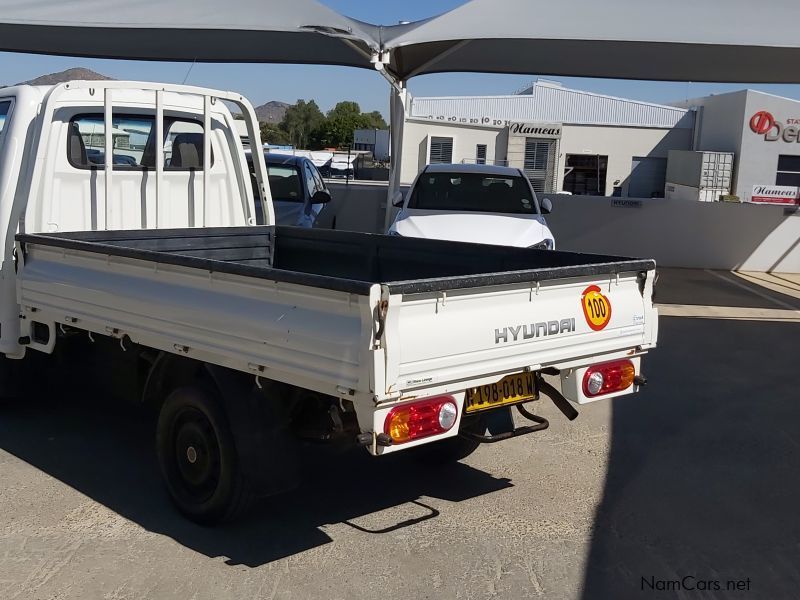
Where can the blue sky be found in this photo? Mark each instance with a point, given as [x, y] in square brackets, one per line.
[328, 85]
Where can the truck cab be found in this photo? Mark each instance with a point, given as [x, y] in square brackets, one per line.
[163, 171]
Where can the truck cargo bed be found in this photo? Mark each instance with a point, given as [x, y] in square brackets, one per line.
[361, 316]
[342, 261]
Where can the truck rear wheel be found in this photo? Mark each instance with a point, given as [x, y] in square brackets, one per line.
[198, 457]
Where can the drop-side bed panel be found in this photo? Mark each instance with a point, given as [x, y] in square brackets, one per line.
[312, 337]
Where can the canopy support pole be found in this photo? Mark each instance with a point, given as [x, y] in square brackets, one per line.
[398, 103]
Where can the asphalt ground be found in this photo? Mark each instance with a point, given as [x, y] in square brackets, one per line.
[691, 484]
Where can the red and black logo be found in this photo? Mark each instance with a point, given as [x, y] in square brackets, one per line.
[762, 122]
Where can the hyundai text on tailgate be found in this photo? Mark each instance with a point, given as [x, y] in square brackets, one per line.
[139, 244]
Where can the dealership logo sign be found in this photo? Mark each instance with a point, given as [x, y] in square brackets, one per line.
[764, 123]
[535, 129]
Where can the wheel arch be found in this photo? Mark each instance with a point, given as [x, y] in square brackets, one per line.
[259, 426]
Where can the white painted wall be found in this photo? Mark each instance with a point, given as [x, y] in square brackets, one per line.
[681, 233]
[416, 144]
[677, 233]
[724, 125]
[620, 144]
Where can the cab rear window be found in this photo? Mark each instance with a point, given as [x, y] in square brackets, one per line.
[134, 143]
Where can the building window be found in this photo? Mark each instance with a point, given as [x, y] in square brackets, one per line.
[648, 177]
[441, 150]
[480, 154]
[539, 163]
[585, 174]
[788, 170]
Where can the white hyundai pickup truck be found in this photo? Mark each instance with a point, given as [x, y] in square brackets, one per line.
[129, 240]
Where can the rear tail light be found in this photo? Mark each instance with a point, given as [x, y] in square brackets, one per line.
[608, 377]
[421, 419]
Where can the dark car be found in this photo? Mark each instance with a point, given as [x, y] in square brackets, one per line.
[298, 190]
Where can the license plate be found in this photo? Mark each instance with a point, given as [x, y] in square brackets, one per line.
[512, 389]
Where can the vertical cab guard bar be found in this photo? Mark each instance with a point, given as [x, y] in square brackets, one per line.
[108, 130]
[159, 152]
[253, 132]
[206, 155]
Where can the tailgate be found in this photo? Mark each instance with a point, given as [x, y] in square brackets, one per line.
[459, 338]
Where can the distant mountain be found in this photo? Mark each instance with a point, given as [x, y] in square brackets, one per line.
[68, 75]
[271, 112]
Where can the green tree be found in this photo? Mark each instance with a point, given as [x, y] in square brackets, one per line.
[342, 120]
[375, 120]
[273, 134]
[301, 121]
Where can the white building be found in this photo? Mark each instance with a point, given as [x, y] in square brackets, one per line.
[566, 140]
[583, 143]
[372, 140]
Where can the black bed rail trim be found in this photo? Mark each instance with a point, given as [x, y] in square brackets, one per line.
[215, 266]
[421, 286]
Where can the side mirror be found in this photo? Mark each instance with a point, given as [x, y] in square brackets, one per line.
[547, 206]
[320, 197]
[397, 199]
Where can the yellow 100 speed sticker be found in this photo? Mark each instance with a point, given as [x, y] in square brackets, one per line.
[596, 307]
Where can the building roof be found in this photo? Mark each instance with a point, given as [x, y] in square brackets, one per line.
[546, 102]
[692, 102]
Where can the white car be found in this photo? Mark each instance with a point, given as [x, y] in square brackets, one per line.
[474, 203]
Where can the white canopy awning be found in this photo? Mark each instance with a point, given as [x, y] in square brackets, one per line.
[300, 31]
[681, 40]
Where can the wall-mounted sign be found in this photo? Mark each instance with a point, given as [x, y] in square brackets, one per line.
[539, 130]
[456, 120]
[764, 123]
[626, 203]
[775, 194]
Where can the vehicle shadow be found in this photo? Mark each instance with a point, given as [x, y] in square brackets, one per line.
[105, 450]
[702, 480]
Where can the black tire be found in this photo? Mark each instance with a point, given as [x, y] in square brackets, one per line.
[198, 458]
[452, 449]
